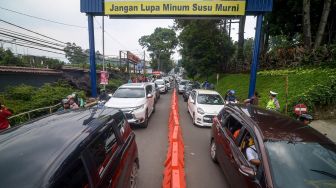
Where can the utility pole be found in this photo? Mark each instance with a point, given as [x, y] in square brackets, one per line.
[144, 63]
[103, 30]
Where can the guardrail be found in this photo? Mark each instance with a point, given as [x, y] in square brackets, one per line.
[174, 174]
[35, 110]
[50, 108]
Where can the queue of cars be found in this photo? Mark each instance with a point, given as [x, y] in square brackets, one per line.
[84, 148]
[96, 147]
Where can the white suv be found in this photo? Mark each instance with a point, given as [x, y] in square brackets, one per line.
[136, 100]
[162, 85]
[203, 105]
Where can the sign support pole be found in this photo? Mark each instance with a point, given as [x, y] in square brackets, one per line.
[255, 59]
[93, 73]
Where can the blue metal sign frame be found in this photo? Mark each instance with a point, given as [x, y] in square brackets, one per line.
[253, 7]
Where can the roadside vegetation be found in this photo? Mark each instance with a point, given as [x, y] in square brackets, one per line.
[314, 87]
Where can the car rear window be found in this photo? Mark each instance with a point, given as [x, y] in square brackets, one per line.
[183, 82]
[129, 93]
[212, 99]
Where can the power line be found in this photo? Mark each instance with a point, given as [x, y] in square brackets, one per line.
[31, 16]
[9, 23]
[6, 41]
[110, 35]
[31, 37]
[36, 43]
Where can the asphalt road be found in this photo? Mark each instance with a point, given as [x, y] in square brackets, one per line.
[153, 144]
[200, 171]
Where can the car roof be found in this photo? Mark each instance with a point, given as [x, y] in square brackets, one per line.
[206, 91]
[134, 85]
[32, 152]
[276, 126]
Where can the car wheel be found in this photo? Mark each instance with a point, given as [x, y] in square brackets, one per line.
[134, 175]
[194, 119]
[213, 151]
[153, 108]
[145, 123]
[185, 100]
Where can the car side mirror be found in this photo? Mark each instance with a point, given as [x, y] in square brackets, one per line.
[149, 96]
[192, 101]
[247, 171]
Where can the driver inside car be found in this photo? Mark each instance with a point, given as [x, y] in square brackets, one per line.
[251, 153]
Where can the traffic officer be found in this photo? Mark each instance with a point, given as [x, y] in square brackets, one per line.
[273, 103]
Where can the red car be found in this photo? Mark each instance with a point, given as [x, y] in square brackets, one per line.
[75, 149]
[260, 148]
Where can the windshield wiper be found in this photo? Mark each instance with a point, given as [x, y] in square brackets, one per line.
[324, 173]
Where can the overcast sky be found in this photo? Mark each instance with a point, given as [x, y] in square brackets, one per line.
[121, 34]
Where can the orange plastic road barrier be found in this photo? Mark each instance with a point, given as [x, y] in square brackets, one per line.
[174, 175]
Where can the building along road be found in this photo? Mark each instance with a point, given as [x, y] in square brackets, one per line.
[153, 143]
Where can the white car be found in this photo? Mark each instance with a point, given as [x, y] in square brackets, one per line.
[182, 86]
[136, 100]
[203, 105]
[162, 85]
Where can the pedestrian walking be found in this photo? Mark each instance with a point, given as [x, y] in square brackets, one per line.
[273, 103]
[4, 114]
[254, 100]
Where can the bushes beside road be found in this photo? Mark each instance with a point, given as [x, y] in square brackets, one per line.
[314, 87]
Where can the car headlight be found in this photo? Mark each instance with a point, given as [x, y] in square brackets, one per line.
[200, 111]
[139, 107]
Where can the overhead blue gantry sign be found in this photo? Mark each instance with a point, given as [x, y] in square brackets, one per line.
[175, 9]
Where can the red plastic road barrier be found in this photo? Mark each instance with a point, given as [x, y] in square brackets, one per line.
[174, 175]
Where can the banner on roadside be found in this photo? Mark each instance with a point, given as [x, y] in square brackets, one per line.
[104, 77]
[175, 8]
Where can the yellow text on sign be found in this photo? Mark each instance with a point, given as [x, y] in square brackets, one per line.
[202, 8]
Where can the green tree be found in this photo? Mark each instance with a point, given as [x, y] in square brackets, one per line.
[206, 49]
[161, 44]
[75, 54]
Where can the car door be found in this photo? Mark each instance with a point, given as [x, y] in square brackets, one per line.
[128, 149]
[191, 103]
[104, 155]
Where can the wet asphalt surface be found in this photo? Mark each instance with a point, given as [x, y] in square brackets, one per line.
[152, 143]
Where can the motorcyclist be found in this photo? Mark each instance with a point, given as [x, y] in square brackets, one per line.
[305, 119]
[230, 96]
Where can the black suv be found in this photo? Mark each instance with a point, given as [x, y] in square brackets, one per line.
[75, 149]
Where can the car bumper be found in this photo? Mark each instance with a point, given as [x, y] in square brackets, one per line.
[181, 90]
[204, 120]
[135, 117]
[162, 90]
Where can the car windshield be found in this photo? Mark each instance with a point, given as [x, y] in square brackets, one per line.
[212, 99]
[129, 93]
[159, 82]
[302, 164]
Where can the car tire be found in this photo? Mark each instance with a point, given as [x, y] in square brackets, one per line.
[145, 123]
[213, 151]
[194, 119]
[153, 108]
[185, 100]
[134, 175]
